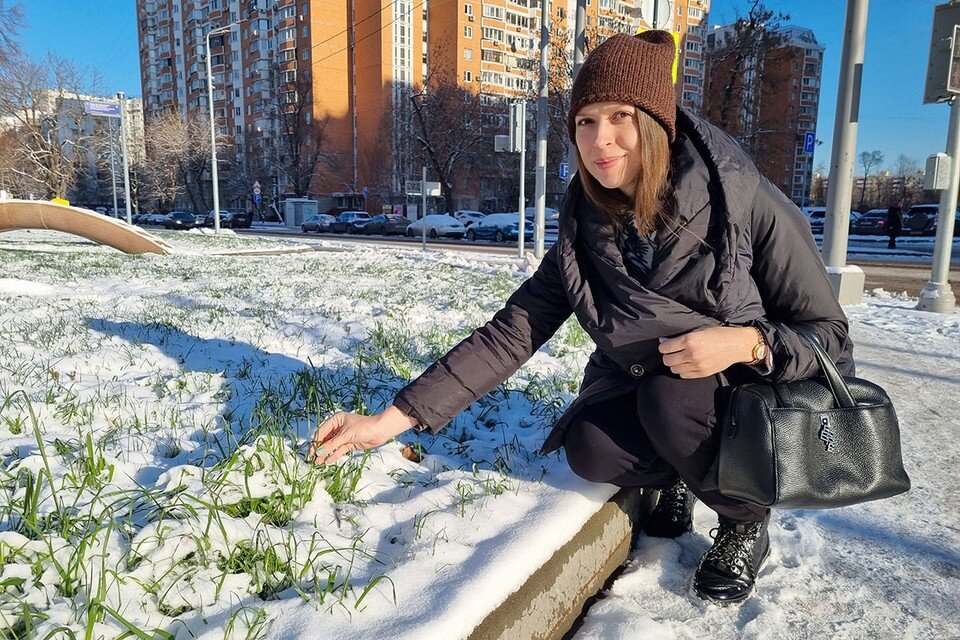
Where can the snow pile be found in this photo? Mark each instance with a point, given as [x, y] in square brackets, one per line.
[155, 412]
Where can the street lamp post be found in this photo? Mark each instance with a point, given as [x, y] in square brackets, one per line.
[213, 126]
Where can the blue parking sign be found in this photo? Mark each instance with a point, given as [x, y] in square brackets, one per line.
[809, 141]
[256, 197]
[564, 170]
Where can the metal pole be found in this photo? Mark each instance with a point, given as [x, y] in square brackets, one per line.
[126, 155]
[423, 206]
[543, 104]
[937, 295]
[843, 154]
[213, 139]
[113, 167]
[521, 116]
[846, 281]
[579, 45]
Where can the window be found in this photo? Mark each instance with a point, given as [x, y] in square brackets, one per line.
[289, 33]
[468, 54]
[468, 9]
[467, 76]
[468, 32]
[493, 12]
[694, 12]
[492, 34]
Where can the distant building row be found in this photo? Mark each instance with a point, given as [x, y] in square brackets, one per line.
[363, 60]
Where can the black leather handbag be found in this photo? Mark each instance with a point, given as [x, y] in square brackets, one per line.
[817, 443]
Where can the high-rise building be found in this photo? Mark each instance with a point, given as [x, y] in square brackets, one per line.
[769, 102]
[688, 18]
[356, 67]
[348, 66]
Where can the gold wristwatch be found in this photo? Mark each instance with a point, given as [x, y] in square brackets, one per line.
[759, 353]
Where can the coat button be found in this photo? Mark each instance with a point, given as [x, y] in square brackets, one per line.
[636, 370]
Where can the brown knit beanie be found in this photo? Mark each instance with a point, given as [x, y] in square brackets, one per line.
[635, 70]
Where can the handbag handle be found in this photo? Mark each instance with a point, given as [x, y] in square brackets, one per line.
[838, 386]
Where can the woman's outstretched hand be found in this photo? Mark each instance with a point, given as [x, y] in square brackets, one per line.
[705, 352]
[343, 432]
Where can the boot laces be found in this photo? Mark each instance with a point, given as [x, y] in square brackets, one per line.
[673, 501]
[732, 550]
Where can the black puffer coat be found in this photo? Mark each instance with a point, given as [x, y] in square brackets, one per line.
[738, 253]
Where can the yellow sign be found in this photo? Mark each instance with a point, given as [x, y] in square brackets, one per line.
[60, 201]
[676, 50]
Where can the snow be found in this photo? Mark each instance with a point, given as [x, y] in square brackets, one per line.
[188, 374]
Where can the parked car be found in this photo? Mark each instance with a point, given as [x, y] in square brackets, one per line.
[180, 220]
[871, 223]
[437, 224]
[468, 217]
[500, 227]
[154, 219]
[318, 222]
[229, 219]
[551, 219]
[387, 225]
[817, 216]
[348, 219]
[921, 219]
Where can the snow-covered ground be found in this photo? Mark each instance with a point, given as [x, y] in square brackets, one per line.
[154, 412]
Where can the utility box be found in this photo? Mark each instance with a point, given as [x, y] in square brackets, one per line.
[937, 176]
[296, 210]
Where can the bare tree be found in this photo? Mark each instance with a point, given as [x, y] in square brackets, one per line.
[44, 106]
[738, 62]
[294, 148]
[869, 160]
[11, 22]
[907, 171]
[179, 148]
[449, 129]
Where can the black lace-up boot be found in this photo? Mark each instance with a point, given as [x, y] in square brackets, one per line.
[729, 568]
[673, 515]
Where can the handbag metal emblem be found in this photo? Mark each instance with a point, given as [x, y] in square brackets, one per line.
[828, 435]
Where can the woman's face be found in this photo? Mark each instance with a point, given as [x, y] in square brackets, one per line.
[608, 139]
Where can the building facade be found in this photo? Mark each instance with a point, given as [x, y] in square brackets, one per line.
[770, 102]
[356, 67]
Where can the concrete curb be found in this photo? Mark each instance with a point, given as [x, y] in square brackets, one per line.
[550, 602]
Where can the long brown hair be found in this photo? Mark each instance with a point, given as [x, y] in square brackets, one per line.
[652, 188]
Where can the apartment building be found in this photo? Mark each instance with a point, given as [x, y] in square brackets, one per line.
[774, 103]
[688, 18]
[349, 65]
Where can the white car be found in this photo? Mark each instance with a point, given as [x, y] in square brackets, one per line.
[468, 217]
[551, 219]
[437, 224]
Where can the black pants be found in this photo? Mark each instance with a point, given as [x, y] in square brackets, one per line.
[648, 439]
[892, 243]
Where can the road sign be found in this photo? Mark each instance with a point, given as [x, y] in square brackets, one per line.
[256, 197]
[809, 141]
[656, 13]
[106, 109]
[942, 48]
[413, 188]
[564, 170]
[366, 192]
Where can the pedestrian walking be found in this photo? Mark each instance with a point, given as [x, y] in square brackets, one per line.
[894, 225]
[690, 272]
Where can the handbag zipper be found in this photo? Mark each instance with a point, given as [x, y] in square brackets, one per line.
[731, 412]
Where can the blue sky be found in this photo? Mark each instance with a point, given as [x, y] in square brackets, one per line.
[102, 34]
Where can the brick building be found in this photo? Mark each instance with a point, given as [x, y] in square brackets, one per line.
[771, 103]
[363, 61]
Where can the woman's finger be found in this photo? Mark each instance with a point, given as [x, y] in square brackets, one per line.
[330, 427]
[336, 454]
[326, 448]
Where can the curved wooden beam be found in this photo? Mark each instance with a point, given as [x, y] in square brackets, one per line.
[36, 214]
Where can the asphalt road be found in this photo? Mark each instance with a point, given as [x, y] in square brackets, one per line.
[906, 268]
